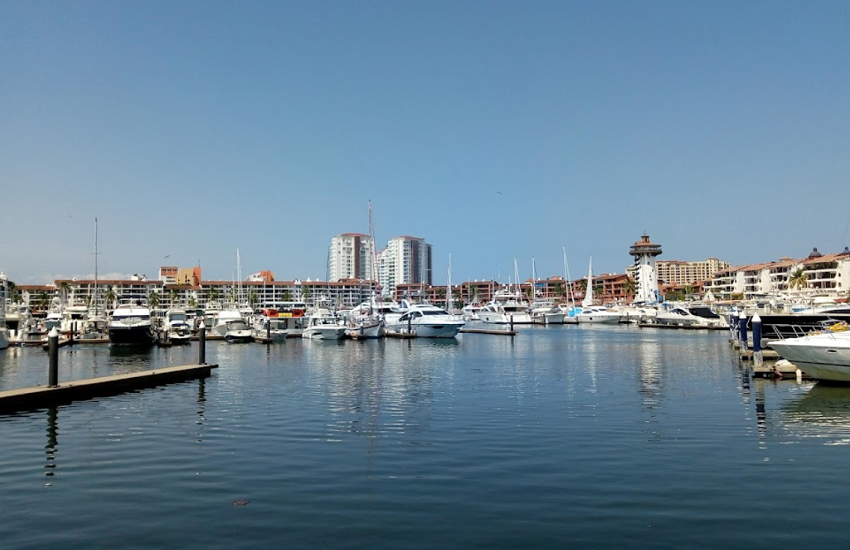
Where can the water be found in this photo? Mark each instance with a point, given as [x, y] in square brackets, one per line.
[573, 436]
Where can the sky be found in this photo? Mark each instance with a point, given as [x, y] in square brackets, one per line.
[497, 131]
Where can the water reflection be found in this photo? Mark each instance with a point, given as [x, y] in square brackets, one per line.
[52, 441]
[821, 412]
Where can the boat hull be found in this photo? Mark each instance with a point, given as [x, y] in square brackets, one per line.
[822, 357]
[142, 336]
[324, 333]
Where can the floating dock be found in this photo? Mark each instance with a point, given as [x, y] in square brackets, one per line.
[67, 392]
[487, 331]
[679, 327]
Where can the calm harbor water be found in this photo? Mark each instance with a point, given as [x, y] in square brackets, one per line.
[573, 436]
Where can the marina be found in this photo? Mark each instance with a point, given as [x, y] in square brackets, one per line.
[615, 436]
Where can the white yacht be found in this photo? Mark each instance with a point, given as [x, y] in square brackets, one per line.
[237, 331]
[130, 323]
[269, 325]
[597, 315]
[470, 311]
[824, 356]
[690, 316]
[426, 321]
[506, 307]
[322, 324]
[222, 318]
[176, 327]
[544, 312]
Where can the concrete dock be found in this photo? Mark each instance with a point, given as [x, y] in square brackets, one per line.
[67, 392]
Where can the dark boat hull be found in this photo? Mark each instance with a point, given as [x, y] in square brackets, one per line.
[141, 336]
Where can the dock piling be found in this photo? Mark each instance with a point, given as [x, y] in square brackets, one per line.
[742, 329]
[53, 361]
[757, 355]
[202, 341]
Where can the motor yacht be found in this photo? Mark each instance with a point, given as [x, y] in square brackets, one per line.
[237, 331]
[506, 307]
[823, 356]
[426, 321]
[130, 323]
[322, 324]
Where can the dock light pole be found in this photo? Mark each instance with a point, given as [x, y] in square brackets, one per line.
[202, 344]
[53, 361]
[758, 360]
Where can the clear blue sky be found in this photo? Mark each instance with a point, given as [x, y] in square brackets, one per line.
[492, 129]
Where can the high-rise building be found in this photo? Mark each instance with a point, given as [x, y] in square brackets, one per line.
[351, 257]
[405, 260]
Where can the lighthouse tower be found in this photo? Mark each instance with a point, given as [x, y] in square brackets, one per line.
[646, 275]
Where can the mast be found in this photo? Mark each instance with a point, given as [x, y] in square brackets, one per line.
[374, 258]
[449, 285]
[94, 293]
[238, 279]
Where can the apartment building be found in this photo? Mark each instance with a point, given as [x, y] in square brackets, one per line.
[351, 257]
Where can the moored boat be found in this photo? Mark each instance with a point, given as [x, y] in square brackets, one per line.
[130, 323]
[823, 356]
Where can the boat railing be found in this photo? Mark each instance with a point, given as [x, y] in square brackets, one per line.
[786, 331]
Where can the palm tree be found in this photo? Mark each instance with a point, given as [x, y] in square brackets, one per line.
[798, 279]
[153, 299]
[629, 287]
[64, 290]
[305, 293]
[688, 290]
[232, 294]
[253, 298]
[109, 296]
[193, 303]
[173, 295]
[212, 295]
[287, 296]
[43, 300]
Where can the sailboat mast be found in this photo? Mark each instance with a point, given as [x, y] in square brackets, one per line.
[94, 293]
[374, 256]
[449, 286]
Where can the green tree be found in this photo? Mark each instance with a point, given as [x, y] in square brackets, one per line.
[64, 291]
[213, 295]
[110, 297]
[629, 287]
[42, 301]
[798, 279]
[153, 299]
[287, 296]
[193, 303]
[173, 296]
[253, 298]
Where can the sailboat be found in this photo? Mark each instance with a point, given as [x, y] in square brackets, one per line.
[507, 306]
[594, 314]
[543, 311]
[367, 320]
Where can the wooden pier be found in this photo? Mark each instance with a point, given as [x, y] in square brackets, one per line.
[67, 392]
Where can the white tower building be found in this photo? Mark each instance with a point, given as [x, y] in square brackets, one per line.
[405, 260]
[351, 257]
[646, 274]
